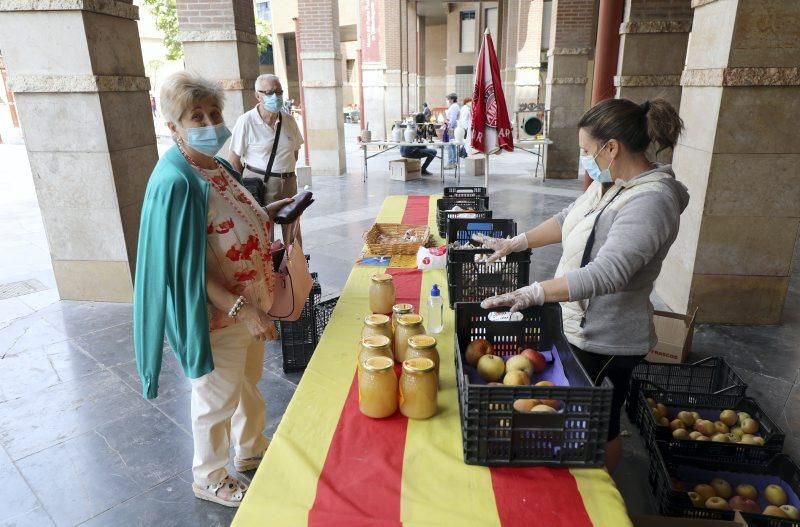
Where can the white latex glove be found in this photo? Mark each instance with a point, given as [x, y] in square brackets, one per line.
[501, 246]
[530, 295]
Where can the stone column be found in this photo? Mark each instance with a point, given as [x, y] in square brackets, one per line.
[392, 38]
[738, 157]
[411, 22]
[652, 51]
[85, 111]
[219, 43]
[529, 52]
[321, 60]
[567, 77]
[508, 51]
[420, 87]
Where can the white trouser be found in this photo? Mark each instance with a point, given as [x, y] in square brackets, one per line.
[227, 402]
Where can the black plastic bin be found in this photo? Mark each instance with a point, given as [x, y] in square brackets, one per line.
[476, 208]
[300, 338]
[493, 432]
[464, 191]
[722, 452]
[671, 477]
[471, 281]
[710, 381]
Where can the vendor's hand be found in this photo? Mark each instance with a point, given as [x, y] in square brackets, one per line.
[531, 295]
[501, 246]
[273, 208]
[258, 323]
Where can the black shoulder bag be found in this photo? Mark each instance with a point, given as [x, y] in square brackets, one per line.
[258, 186]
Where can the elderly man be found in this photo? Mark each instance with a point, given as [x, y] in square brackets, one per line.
[253, 142]
[452, 122]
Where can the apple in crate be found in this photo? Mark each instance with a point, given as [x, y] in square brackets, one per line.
[536, 358]
[516, 378]
[491, 368]
[747, 491]
[740, 503]
[775, 495]
[520, 363]
[477, 349]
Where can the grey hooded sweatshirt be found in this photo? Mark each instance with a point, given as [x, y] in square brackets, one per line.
[609, 311]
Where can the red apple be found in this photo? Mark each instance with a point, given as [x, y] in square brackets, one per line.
[477, 349]
[740, 503]
[536, 358]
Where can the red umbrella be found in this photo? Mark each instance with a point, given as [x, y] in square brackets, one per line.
[491, 126]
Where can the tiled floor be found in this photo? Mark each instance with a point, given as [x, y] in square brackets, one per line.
[78, 444]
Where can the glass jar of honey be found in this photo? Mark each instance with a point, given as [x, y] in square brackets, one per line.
[407, 327]
[418, 389]
[381, 294]
[377, 387]
[374, 346]
[400, 309]
[378, 325]
[423, 346]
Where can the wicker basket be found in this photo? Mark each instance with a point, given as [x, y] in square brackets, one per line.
[389, 238]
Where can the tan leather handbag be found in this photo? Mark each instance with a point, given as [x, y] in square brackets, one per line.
[293, 281]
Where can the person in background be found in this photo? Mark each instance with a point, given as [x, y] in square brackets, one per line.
[153, 105]
[615, 237]
[451, 121]
[254, 136]
[426, 112]
[419, 152]
[204, 277]
[465, 122]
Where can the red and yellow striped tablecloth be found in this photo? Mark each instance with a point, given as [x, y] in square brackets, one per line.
[330, 466]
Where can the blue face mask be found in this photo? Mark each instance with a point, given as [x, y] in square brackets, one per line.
[590, 166]
[208, 139]
[273, 103]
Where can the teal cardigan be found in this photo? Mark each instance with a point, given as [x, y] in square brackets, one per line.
[169, 294]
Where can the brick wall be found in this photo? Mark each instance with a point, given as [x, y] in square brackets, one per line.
[319, 25]
[199, 15]
[573, 21]
[530, 31]
[392, 34]
[510, 24]
[658, 10]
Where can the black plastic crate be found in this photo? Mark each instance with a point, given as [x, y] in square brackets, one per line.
[461, 230]
[299, 338]
[723, 452]
[493, 432]
[708, 382]
[464, 191]
[671, 477]
[476, 208]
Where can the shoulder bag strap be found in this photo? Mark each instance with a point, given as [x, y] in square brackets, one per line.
[274, 146]
[587, 251]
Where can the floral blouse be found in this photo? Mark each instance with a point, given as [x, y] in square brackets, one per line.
[238, 244]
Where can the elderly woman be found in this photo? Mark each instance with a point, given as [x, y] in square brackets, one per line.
[615, 237]
[204, 276]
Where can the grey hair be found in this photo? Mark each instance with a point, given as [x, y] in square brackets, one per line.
[181, 89]
[266, 77]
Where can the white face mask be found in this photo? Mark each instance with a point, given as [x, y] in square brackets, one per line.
[591, 167]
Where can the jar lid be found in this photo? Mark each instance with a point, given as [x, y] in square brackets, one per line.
[418, 365]
[411, 319]
[375, 341]
[402, 309]
[382, 277]
[378, 364]
[422, 341]
[376, 320]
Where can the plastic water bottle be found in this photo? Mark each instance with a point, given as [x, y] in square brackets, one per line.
[435, 311]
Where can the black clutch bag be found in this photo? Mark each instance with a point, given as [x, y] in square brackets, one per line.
[293, 210]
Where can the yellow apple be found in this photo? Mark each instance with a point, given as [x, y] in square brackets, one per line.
[687, 418]
[728, 417]
[749, 426]
[521, 363]
[722, 488]
[491, 368]
[680, 433]
[697, 500]
[715, 502]
[772, 510]
[721, 427]
[543, 408]
[775, 495]
[747, 491]
[705, 491]
[791, 512]
[516, 378]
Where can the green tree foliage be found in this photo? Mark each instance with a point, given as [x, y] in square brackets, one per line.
[264, 35]
[166, 15]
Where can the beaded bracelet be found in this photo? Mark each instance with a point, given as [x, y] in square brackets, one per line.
[237, 306]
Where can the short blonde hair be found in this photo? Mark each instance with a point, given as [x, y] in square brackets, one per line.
[180, 90]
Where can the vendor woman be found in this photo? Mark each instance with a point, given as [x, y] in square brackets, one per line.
[615, 237]
[204, 276]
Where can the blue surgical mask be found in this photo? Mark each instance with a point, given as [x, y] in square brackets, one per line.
[589, 164]
[208, 139]
[273, 103]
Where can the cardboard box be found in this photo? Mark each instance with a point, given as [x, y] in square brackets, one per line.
[668, 521]
[474, 166]
[405, 169]
[674, 332]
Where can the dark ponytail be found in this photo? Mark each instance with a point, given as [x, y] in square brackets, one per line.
[637, 126]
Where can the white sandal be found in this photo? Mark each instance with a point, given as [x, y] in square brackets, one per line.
[250, 463]
[209, 492]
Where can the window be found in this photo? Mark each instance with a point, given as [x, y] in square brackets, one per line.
[263, 11]
[467, 32]
[491, 21]
[465, 81]
[288, 50]
[351, 69]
